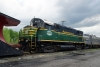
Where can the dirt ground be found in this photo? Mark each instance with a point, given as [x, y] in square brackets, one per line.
[82, 58]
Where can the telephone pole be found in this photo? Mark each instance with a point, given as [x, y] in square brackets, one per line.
[63, 23]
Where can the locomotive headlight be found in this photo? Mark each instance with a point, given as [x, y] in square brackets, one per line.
[26, 40]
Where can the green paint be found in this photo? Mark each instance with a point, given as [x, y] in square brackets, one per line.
[51, 35]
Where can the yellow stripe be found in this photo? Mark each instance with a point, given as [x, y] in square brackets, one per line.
[42, 28]
[60, 41]
[54, 41]
[32, 30]
[67, 33]
[30, 27]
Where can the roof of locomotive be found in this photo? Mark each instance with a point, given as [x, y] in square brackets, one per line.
[51, 23]
[45, 21]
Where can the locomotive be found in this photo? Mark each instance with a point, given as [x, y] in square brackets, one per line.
[44, 36]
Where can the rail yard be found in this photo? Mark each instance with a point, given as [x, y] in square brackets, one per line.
[80, 58]
[41, 43]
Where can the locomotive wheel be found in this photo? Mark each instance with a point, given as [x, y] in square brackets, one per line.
[56, 48]
[78, 47]
[48, 49]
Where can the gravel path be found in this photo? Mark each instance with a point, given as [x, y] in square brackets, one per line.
[87, 58]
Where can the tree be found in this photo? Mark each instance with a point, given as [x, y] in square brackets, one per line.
[10, 35]
[6, 34]
[20, 33]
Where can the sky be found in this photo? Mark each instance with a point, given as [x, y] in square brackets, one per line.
[82, 15]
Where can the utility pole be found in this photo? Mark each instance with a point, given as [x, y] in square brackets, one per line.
[63, 23]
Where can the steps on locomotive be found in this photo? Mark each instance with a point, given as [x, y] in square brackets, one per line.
[33, 45]
[6, 50]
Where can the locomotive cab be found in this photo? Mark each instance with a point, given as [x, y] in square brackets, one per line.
[36, 22]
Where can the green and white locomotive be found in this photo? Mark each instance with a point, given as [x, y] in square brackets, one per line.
[44, 36]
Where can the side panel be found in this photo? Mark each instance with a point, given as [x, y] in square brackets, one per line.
[57, 36]
[95, 40]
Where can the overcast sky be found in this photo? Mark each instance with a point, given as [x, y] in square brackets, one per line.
[80, 14]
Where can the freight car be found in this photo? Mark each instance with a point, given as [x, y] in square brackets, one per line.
[44, 36]
[91, 41]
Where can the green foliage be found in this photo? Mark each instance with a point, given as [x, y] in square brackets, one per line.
[20, 33]
[6, 34]
[10, 36]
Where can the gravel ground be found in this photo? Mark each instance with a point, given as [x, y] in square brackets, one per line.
[84, 58]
